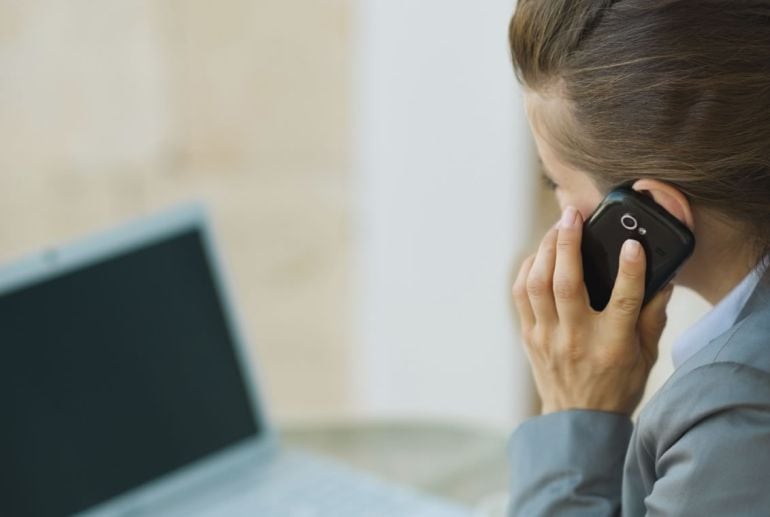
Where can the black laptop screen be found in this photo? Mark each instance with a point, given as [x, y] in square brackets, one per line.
[113, 375]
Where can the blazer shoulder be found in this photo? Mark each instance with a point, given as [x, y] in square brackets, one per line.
[699, 394]
[747, 343]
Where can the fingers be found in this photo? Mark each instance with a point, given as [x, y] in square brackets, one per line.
[628, 292]
[652, 321]
[569, 290]
[520, 297]
[540, 280]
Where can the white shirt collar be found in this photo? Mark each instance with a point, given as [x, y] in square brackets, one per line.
[717, 321]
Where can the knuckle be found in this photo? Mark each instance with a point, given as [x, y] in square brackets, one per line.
[572, 348]
[574, 354]
[611, 359]
[538, 285]
[626, 305]
[565, 289]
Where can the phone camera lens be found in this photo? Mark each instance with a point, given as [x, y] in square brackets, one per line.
[629, 222]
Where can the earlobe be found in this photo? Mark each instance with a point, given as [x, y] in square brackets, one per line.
[669, 197]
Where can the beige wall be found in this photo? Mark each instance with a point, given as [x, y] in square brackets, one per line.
[117, 108]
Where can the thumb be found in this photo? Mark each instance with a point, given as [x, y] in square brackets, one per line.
[652, 321]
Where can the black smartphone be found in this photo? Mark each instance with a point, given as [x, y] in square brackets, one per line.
[628, 214]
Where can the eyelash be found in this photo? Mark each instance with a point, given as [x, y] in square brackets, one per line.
[548, 182]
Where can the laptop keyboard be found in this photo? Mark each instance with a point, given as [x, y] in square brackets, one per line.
[298, 485]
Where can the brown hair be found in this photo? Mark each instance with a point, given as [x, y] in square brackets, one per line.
[678, 90]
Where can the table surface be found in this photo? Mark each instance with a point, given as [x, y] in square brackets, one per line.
[458, 463]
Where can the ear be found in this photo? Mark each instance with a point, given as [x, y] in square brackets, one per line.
[669, 197]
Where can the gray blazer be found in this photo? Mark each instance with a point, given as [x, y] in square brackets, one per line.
[700, 447]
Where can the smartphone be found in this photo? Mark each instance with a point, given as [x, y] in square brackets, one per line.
[628, 214]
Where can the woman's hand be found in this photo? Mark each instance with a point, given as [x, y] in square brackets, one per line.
[583, 359]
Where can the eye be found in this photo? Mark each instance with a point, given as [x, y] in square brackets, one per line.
[548, 182]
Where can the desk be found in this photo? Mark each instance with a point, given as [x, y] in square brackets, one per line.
[459, 463]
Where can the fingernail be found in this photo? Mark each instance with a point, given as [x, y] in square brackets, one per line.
[631, 249]
[568, 218]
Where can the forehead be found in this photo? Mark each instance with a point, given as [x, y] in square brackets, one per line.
[541, 110]
[548, 114]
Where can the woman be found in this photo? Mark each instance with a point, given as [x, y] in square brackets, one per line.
[674, 96]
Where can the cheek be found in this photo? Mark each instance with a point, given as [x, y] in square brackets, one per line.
[586, 210]
[585, 204]
[589, 203]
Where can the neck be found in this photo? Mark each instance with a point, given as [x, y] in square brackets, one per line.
[714, 278]
[719, 286]
[721, 260]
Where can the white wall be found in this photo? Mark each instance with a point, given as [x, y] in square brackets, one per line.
[445, 201]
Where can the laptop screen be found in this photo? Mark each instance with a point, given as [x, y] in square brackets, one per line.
[113, 375]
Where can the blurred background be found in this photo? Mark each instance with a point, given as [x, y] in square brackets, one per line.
[367, 165]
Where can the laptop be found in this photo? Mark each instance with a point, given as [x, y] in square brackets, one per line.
[126, 390]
